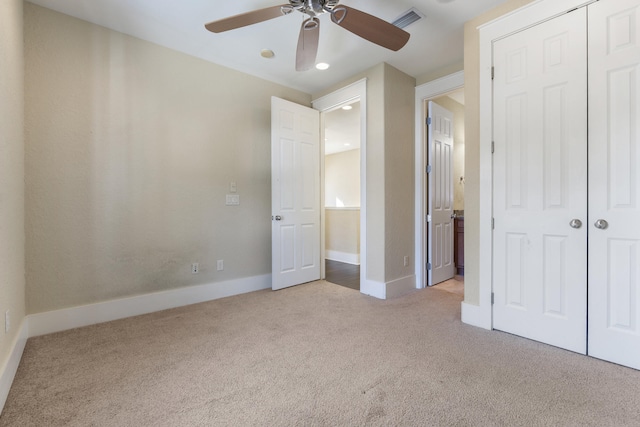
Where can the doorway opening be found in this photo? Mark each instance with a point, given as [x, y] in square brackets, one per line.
[353, 95]
[440, 176]
[342, 195]
[453, 280]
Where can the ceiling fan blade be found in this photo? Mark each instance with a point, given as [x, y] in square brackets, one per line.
[308, 44]
[370, 27]
[249, 18]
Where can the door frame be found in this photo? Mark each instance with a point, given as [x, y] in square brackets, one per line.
[529, 15]
[356, 91]
[424, 93]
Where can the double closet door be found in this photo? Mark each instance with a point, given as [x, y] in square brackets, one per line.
[566, 196]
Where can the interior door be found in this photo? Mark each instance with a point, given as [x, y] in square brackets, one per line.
[614, 181]
[540, 183]
[440, 230]
[295, 192]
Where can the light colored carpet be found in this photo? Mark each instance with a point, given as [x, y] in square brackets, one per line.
[317, 354]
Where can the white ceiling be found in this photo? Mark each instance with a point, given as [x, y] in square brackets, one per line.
[436, 41]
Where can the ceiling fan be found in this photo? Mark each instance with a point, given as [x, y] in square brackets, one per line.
[360, 23]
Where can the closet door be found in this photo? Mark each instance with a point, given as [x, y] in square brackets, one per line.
[540, 182]
[614, 181]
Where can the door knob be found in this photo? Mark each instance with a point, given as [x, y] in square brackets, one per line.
[278, 218]
[575, 223]
[601, 224]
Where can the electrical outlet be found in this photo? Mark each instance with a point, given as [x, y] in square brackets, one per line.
[233, 199]
[220, 265]
[195, 268]
[7, 322]
[406, 260]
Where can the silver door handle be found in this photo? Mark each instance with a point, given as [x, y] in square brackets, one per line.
[278, 218]
[601, 224]
[575, 223]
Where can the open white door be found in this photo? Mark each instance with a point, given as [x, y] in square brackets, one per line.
[614, 182]
[540, 183]
[295, 194]
[440, 251]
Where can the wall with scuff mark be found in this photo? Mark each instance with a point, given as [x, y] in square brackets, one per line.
[131, 148]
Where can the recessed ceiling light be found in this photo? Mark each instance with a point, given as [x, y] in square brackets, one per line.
[322, 66]
[347, 107]
[267, 53]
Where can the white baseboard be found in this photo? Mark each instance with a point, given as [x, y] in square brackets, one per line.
[401, 286]
[391, 289]
[75, 317]
[11, 367]
[342, 257]
[476, 315]
[374, 289]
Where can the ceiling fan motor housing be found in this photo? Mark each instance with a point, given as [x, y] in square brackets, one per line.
[314, 7]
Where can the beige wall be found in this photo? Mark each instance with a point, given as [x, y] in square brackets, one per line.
[342, 230]
[472, 144]
[342, 179]
[12, 282]
[130, 151]
[342, 226]
[399, 154]
[390, 181]
[458, 148]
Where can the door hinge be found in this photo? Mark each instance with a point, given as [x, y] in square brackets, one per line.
[428, 266]
[428, 121]
[493, 298]
[428, 218]
[493, 72]
[493, 147]
[493, 223]
[428, 168]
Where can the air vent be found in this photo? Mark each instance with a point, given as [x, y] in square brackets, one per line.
[409, 17]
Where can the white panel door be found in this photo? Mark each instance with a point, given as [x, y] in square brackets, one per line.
[614, 181]
[295, 192]
[540, 183]
[440, 251]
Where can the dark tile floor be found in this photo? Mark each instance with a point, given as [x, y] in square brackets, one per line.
[340, 273]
